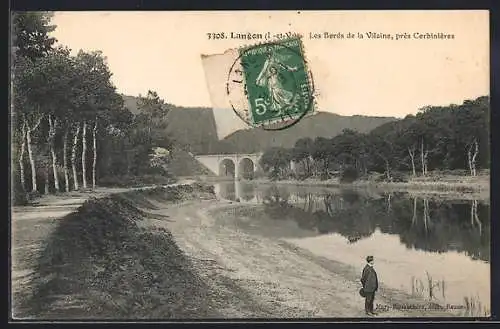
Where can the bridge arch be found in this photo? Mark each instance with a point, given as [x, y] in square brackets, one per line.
[227, 167]
[246, 168]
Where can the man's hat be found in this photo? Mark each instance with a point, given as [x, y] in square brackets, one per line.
[369, 258]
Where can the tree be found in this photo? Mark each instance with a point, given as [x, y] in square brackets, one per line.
[323, 151]
[383, 148]
[350, 149]
[153, 114]
[302, 152]
[28, 110]
[276, 160]
[30, 42]
[31, 34]
[407, 137]
[55, 73]
[472, 152]
[95, 89]
[110, 116]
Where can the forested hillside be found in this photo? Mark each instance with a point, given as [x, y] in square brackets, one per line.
[195, 130]
[454, 137]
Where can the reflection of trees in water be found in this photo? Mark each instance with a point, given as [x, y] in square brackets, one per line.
[247, 191]
[421, 223]
[228, 191]
[443, 226]
[276, 203]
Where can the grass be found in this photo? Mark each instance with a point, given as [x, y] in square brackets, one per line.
[100, 263]
[475, 308]
[435, 291]
[134, 181]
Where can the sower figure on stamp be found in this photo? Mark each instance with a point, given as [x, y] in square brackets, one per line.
[269, 77]
[370, 285]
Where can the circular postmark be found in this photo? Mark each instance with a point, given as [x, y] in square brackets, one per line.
[269, 85]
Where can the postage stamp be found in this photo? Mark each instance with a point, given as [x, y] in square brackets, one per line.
[276, 83]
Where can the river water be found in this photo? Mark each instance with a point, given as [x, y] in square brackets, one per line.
[418, 242]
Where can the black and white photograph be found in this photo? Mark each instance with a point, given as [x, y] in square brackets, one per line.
[239, 165]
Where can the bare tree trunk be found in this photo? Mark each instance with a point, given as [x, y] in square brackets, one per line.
[29, 131]
[426, 214]
[47, 182]
[414, 218]
[52, 135]
[422, 157]
[472, 214]
[32, 161]
[84, 154]
[387, 170]
[469, 157]
[474, 156]
[425, 161]
[94, 163]
[73, 156]
[411, 152]
[474, 218]
[65, 159]
[365, 167]
[389, 207]
[21, 156]
[472, 152]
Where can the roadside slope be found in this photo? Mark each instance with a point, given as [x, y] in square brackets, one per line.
[98, 263]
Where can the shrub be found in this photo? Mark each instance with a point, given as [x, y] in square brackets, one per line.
[274, 174]
[349, 175]
[399, 177]
[324, 176]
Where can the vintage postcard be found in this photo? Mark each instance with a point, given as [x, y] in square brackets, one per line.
[250, 164]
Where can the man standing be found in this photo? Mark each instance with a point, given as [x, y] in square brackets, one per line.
[370, 285]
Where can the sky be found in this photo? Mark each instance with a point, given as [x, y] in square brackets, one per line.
[162, 51]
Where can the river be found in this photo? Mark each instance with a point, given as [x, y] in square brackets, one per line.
[436, 248]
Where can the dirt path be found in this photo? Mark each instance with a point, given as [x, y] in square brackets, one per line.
[30, 229]
[273, 278]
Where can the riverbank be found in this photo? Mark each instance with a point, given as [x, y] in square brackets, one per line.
[175, 252]
[465, 187]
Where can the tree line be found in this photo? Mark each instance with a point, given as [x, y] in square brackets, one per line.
[69, 124]
[454, 137]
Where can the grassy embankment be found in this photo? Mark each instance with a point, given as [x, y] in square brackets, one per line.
[100, 263]
[434, 182]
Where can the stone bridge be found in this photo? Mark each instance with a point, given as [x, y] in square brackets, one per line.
[231, 165]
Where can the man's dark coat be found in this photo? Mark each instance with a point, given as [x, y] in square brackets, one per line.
[369, 279]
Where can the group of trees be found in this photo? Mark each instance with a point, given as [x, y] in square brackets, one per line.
[68, 121]
[454, 137]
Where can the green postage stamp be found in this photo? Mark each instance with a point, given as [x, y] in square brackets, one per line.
[277, 83]
[265, 85]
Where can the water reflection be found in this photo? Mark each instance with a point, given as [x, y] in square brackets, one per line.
[426, 224]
